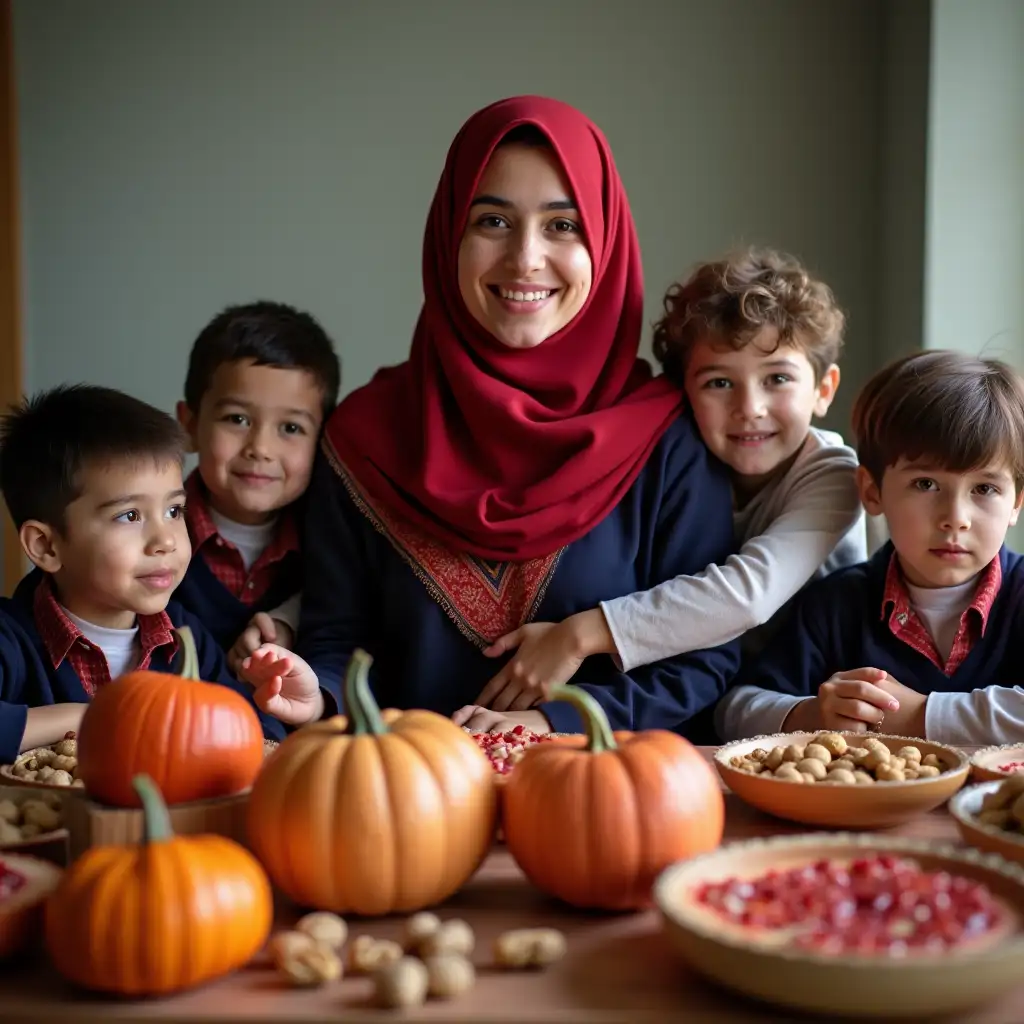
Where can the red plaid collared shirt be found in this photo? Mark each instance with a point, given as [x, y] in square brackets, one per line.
[223, 558]
[906, 625]
[64, 640]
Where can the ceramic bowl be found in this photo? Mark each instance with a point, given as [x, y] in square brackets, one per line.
[21, 913]
[44, 840]
[985, 762]
[843, 806]
[879, 985]
[964, 808]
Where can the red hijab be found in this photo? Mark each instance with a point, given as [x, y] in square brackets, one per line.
[511, 454]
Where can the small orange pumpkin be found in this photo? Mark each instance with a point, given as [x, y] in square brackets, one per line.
[595, 825]
[376, 813]
[196, 740]
[161, 916]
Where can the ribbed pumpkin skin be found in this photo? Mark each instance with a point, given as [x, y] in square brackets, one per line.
[196, 740]
[596, 828]
[374, 824]
[159, 917]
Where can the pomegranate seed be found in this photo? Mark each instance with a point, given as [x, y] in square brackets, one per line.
[10, 880]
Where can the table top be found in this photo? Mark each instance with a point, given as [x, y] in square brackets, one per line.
[618, 968]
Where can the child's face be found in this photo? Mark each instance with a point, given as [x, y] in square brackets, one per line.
[256, 434]
[754, 406]
[946, 527]
[124, 547]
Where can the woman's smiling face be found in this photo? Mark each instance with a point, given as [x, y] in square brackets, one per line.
[524, 267]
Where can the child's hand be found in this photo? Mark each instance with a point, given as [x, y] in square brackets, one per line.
[286, 687]
[478, 719]
[851, 701]
[909, 718]
[262, 629]
[549, 654]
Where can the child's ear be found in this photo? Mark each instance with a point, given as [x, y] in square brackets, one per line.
[827, 388]
[1016, 507]
[870, 494]
[189, 422]
[37, 541]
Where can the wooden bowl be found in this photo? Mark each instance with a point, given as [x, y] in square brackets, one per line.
[21, 913]
[964, 808]
[50, 845]
[916, 985]
[840, 806]
[985, 762]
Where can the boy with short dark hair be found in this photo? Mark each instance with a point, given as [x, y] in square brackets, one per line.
[92, 479]
[262, 378]
[923, 638]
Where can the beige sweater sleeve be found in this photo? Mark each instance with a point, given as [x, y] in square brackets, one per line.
[819, 507]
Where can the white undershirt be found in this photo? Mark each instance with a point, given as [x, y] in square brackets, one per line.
[940, 609]
[251, 541]
[119, 646]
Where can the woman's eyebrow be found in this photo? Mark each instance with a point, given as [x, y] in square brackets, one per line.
[507, 204]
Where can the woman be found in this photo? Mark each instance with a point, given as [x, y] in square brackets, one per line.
[523, 463]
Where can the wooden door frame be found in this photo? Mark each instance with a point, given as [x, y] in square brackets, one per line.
[11, 361]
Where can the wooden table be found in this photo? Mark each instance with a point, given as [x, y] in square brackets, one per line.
[618, 968]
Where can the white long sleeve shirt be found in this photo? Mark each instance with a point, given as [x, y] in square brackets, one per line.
[804, 524]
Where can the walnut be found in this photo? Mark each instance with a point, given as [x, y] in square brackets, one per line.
[402, 984]
[418, 928]
[327, 929]
[36, 812]
[9, 812]
[454, 936]
[66, 747]
[311, 966]
[449, 975]
[367, 954]
[529, 947]
[61, 778]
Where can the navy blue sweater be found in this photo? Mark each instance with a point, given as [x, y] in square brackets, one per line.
[28, 678]
[839, 625]
[224, 614]
[359, 592]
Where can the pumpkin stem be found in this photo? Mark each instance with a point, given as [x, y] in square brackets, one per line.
[156, 820]
[189, 656]
[599, 732]
[363, 714]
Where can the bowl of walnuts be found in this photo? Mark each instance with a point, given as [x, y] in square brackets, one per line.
[28, 819]
[52, 767]
[842, 779]
[990, 816]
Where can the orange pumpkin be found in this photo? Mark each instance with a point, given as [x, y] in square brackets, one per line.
[595, 825]
[196, 740]
[376, 813]
[161, 916]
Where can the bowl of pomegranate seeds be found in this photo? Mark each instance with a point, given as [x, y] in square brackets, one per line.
[990, 816]
[991, 764]
[25, 882]
[506, 749]
[849, 924]
[842, 779]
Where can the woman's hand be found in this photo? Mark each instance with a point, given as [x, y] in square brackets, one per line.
[549, 654]
[478, 719]
[285, 686]
[262, 629]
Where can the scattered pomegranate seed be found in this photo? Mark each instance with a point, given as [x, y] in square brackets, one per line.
[505, 749]
[873, 905]
[1012, 766]
[10, 880]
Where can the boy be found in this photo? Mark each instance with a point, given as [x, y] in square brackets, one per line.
[753, 340]
[92, 479]
[924, 637]
[261, 380]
